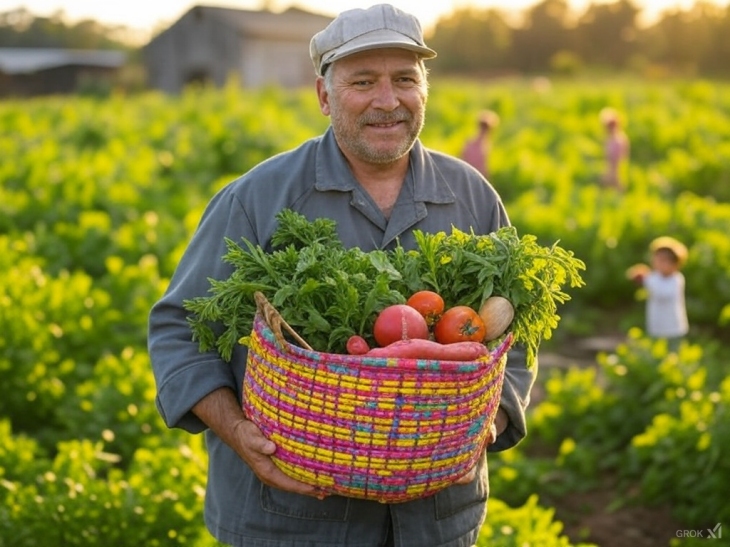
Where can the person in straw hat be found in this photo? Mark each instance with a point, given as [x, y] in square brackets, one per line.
[370, 173]
[477, 150]
[666, 312]
[616, 149]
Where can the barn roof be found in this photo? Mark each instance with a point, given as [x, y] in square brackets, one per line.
[22, 60]
[291, 23]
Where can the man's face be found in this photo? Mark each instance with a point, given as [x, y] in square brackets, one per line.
[376, 102]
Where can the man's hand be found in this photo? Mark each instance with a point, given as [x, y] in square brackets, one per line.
[498, 426]
[221, 412]
[501, 421]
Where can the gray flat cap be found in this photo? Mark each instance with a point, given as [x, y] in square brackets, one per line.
[377, 27]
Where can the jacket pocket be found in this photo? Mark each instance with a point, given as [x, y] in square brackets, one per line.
[332, 508]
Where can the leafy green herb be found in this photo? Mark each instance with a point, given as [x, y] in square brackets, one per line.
[328, 293]
[467, 269]
[325, 292]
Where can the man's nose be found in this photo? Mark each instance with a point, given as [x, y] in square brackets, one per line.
[386, 97]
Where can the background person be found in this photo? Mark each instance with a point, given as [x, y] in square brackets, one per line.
[616, 149]
[371, 174]
[477, 150]
[666, 312]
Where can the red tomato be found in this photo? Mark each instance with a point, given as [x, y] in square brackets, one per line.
[356, 345]
[399, 322]
[429, 304]
[459, 324]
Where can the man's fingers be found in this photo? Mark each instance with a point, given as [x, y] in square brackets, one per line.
[256, 451]
[470, 476]
[252, 439]
[271, 475]
[492, 434]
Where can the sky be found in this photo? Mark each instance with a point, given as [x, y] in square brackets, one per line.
[150, 15]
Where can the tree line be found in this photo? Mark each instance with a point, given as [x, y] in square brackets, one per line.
[548, 37]
[21, 28]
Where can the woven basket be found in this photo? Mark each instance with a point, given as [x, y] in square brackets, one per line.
[380, 429]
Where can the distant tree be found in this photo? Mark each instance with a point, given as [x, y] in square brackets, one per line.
[471, 40]
[691, 40]
[607, 33]
[547, 30]
[716, 60]
[20, 28]
[549, 37]
[17, 20]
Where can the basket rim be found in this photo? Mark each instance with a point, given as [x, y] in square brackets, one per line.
[503, 344]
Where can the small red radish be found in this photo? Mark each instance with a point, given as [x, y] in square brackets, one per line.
[356, 345]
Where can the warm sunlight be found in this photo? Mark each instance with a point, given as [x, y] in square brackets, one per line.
[149, 16]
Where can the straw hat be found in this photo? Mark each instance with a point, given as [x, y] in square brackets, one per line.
[674, 245]
[609, 116]
[488, 118]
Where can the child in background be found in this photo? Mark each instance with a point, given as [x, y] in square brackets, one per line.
[666, 314]
[476, 151]
[616, 148]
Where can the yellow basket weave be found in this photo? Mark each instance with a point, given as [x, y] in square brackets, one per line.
[381, 429]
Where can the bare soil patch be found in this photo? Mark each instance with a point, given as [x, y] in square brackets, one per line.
[599, 516]
[593, 517]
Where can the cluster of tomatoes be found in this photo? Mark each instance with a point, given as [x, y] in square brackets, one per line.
[424, 316]
[423, 326]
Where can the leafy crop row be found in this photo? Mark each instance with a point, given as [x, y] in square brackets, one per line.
[655, 422]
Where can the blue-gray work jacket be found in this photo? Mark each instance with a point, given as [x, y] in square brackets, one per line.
[314, 179]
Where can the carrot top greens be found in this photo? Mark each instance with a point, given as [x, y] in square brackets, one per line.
[328, 293]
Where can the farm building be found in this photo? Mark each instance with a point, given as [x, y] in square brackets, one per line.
[44, 71]
[212, 44]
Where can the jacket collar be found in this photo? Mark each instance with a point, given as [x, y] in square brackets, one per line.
[431, 185]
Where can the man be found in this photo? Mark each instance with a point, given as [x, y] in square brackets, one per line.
[370, 173]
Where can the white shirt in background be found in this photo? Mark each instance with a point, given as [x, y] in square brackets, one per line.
[666, 313]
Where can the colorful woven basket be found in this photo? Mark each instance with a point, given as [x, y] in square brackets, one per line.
[381, 429]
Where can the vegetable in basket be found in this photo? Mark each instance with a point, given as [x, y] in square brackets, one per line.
[328, 293]
[398, 322]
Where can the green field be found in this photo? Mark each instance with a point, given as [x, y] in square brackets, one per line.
[99, 197]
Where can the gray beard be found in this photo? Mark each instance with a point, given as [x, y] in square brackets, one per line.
[353, 141]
